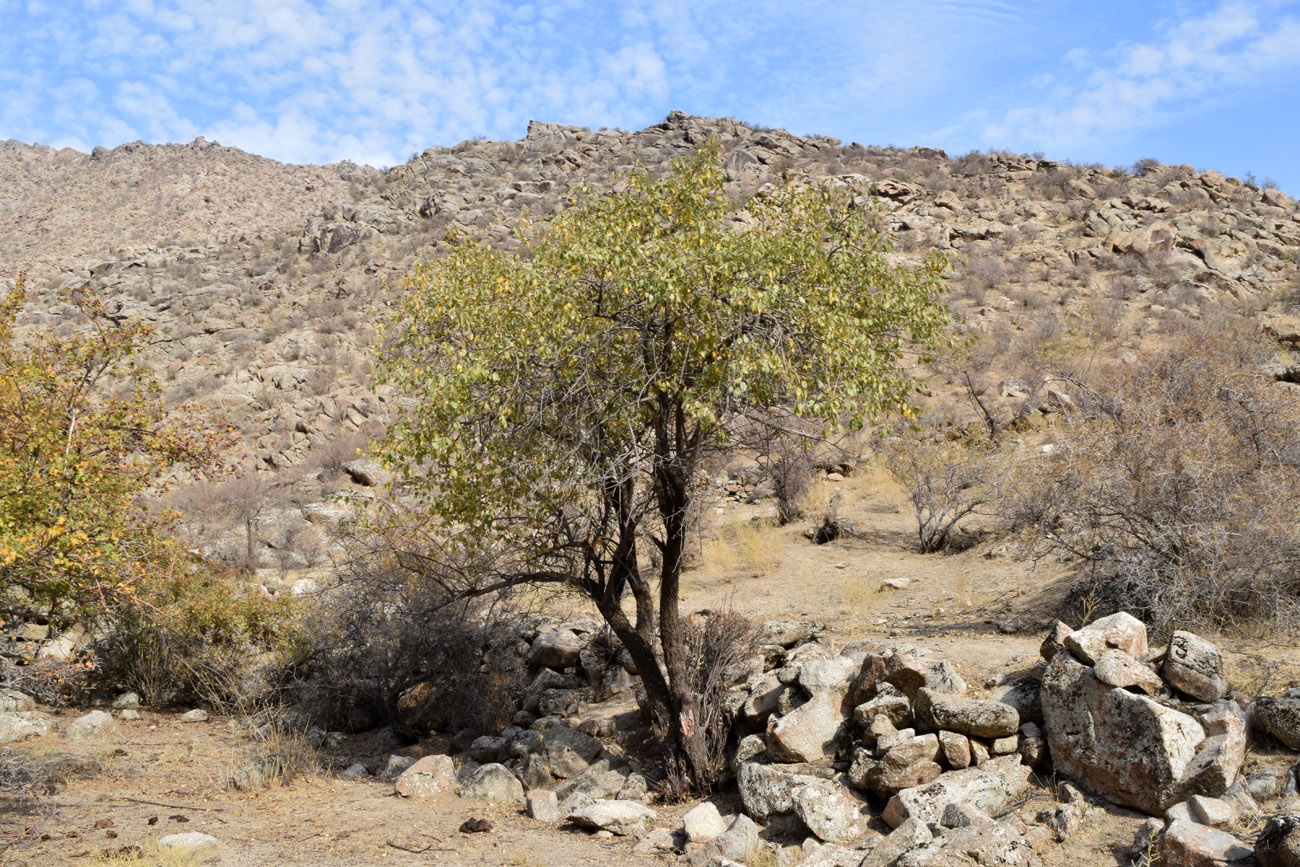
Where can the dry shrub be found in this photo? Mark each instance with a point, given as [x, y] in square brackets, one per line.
[949, 474]
[1175, 482]
[717, 645]
[25, 788]
[390, 627]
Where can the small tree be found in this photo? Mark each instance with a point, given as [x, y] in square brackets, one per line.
[83, 437]
[563, 400]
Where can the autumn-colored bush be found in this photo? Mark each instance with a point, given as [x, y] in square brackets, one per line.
[84, 441]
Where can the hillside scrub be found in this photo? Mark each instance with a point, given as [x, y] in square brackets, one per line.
[1175, 480]
[564, 402]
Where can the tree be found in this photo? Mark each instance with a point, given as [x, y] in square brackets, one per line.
[565, 399]
[83, 438]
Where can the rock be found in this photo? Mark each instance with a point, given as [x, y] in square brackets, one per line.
[657, 840]
[11, 700]
[908, 764]
[1187, 844]
[368, 472]
[1220, 756]
[955, 748]
[767, 790]
[622, 818]
[895, 708]
[830, 811]
[807, 733]
[1005, 746]
[703, 823]
[430, 776]
[906, 836]
[568, 752]
[129, 714]
[487, 748]
[740, 841]
[1212, 812]
[1063, 820]
[1278, 845]
[991, 787]
[831, 675]
[1116, 668]
[191, 841]
[92, 725]
[493, 782]
[197, 715]
[356, 771]
[20, 725]
[1194, 667]
[556, 648]
[785, 633]
[1125, 747]
[1023, 692]
[1281, 716]
[637, 788]
[395, 766]
[1055, 640]
[968, 716]
[127, 701]
[1119, 631]
[543, 806]
[829, 855]
[304, 587]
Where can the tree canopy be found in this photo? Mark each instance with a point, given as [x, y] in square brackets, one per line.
[564, 398]
[83, 437]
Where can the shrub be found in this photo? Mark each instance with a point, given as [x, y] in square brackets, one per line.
[1175, 484]
[949, 478]
[390, 630]
[197, 635]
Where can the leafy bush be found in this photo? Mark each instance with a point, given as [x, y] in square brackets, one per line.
[83, 438]
[1175, 482]
[198, 635]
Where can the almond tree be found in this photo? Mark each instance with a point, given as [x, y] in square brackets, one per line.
[563, 399]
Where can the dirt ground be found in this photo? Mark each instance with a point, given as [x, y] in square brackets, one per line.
[982, 609]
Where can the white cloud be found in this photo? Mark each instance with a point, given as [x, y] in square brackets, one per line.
[1138, 86]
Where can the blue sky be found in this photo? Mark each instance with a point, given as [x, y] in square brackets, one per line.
[1214, 83]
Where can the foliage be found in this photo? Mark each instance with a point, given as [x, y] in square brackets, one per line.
[198, 635]
[1176, 482]
[565, 399]
[83, 437]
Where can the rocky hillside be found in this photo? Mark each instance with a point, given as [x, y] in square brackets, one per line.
[263, 279]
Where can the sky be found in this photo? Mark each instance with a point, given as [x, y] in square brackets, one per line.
[1213, 83]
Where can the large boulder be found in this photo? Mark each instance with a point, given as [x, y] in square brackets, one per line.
[968, 716]
[703, 823]
[1194, 667]
[1128, 748]
[807, 733]
[493, 782]
[830, 811]
[992, 787]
